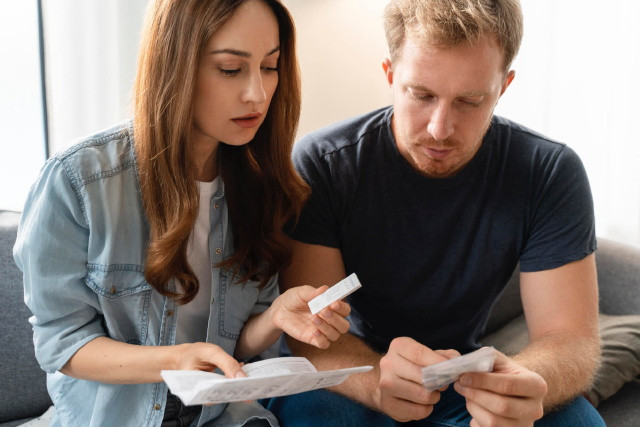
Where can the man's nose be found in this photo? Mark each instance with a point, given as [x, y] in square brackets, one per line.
[440, 125]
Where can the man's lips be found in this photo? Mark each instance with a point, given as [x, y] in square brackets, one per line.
[248, 121]
[438, 153]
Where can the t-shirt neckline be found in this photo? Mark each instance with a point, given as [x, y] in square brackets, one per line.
[467, 173]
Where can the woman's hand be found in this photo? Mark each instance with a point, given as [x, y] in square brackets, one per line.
[291, 314]
[202, 356]
[109, 361]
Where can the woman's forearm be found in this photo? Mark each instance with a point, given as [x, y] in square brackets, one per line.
[106, 360]
[109, 361]
[258, 333]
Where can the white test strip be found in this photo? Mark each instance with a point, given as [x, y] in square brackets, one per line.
[444, 373]
[345, 287]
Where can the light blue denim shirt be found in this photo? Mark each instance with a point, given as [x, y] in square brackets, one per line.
[81, 245]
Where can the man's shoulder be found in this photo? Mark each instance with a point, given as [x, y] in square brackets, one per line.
[350, 132]
[525, 148]
[513, 131]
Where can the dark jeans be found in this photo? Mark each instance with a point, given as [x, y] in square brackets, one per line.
[321, 408]
[176, 414]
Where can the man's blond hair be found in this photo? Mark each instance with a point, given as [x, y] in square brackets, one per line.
[446, 23]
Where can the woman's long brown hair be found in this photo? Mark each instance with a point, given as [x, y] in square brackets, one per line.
[262, 189]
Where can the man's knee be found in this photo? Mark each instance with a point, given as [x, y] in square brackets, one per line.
[323, 408]
[577, 413]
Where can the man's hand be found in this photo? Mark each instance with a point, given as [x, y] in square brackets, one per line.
[291, 314]
[401, 394]
[511, 395]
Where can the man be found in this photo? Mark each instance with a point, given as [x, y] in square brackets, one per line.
[433, 202]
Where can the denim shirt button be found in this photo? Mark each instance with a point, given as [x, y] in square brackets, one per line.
[113, 290]
[216, 205]
[157, 406]
[213, 300]
[218, 251]
[169, 313]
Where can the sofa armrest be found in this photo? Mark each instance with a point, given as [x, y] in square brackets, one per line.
[23, 394]
[618, 277]
[508, 306]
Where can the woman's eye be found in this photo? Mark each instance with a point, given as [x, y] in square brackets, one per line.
[229, 73]
[270, 68]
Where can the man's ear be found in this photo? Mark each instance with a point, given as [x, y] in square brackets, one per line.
[388, 70]
[507, 81]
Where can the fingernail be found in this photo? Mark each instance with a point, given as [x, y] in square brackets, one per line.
[317, 321]
[241, 374]
[465, 380]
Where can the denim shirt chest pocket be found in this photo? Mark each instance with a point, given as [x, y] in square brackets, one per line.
[237, 301]
[125, 298]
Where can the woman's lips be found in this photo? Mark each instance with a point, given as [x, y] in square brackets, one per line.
[248, 121]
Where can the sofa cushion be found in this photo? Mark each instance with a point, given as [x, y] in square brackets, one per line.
[620, 361]
[618, 277]
[508, 306]
[23, 393]
[622, 409]
[620, 358]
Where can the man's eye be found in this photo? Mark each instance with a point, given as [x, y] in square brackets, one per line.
[470, 103]
[422, 96]
[230, 73]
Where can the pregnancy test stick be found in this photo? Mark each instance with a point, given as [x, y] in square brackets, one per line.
[345, 287]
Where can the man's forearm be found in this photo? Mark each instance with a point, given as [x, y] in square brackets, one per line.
[346, 352]
[565, 361]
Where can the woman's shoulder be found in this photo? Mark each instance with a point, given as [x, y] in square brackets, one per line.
[105, 153]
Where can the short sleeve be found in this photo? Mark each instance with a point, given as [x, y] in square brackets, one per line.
[51, 251]
[563, 224]
[318, 222]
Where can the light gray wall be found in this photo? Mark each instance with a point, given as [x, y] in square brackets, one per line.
[91, 54]
[341, 46]
[21, 114]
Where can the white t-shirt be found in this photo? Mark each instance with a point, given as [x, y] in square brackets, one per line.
[193, 317]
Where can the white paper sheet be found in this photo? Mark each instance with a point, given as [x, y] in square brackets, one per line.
[267, 378]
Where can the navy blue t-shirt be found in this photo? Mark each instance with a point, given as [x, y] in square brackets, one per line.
[433, 254]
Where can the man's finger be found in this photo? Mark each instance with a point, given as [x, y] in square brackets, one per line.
[449, 354]
[404, 411]
[415, 352]
[482, 416]
[507, 378]
[500, 405]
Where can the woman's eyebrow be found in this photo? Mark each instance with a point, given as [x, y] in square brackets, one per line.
[232, 52]
[242, 53]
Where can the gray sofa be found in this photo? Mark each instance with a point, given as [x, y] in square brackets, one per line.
[23, 394]
[619, 376]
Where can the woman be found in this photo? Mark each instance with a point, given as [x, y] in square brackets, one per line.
[155, 245]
